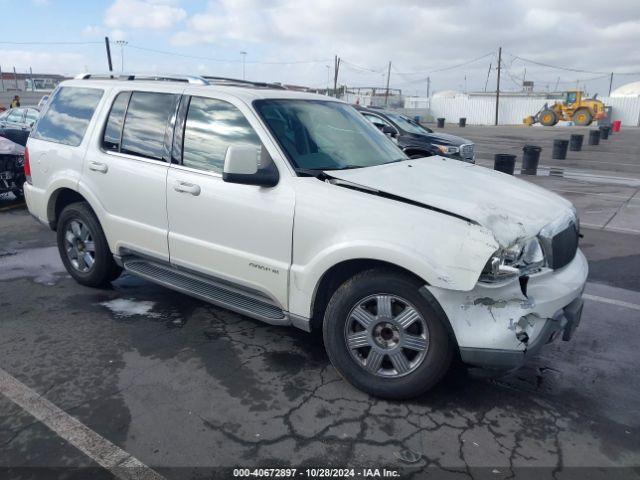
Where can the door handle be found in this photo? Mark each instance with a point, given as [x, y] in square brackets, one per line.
[98, 167]
[184, 187]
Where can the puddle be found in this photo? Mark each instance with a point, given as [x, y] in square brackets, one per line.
[126, 307]
[42, 265]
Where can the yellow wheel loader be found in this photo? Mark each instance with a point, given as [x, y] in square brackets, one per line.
[574, 108]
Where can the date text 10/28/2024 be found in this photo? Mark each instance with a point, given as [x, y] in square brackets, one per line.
[315, 473]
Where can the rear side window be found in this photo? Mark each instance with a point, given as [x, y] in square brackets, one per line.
[145, 124]
[113, 130]
[68, 115]
[213, 126]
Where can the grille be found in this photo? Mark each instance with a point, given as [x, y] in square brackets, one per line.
[564, 246]
[466, 151]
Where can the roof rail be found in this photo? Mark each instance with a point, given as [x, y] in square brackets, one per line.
[193, 79]
[240, 83]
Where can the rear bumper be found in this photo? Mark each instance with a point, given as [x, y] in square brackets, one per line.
[563, 324]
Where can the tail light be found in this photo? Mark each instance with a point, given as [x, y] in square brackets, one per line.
[27, 166]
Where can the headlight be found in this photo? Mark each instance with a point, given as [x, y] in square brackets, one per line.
[447, 149]
[521, 258]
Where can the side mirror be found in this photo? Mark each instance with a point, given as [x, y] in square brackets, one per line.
[249, 165]
[387, 130]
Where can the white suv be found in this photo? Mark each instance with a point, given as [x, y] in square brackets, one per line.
[293, 209]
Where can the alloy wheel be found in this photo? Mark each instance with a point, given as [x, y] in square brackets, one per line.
[386, 335]
[79, 245]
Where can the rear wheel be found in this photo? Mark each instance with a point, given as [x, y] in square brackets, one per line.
[548, 118]
[384, 337]
[582, 117]
[83, 247]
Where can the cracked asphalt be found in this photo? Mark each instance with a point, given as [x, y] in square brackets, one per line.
[194, 391]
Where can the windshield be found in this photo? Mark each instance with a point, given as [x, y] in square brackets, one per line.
[407, 125]
[326, 135]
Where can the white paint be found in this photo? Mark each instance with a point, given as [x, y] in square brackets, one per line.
[109, 456]
[125, 307]
[611, 301]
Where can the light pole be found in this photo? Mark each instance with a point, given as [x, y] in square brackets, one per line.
[244, 56]
[122, 44]
[328, 78]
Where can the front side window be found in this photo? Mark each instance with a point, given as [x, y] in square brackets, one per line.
[377, 121]
[326, 135]
[68, 115]
[32, 115]
[212, 126]
[146, 123]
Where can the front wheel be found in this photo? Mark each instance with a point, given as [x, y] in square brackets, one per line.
[385, 337]
[83, 247]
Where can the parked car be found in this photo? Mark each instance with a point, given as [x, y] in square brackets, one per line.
[11, 167]
[416, 140]
[289, 208]
[16, 123]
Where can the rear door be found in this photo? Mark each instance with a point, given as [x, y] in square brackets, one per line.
[240, 234]
[127, 173]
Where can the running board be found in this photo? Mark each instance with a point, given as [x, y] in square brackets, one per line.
[217, 293]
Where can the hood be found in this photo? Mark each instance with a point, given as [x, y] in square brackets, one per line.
[509, 207]
[439, 138]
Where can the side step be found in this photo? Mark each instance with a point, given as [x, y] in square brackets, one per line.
[218, 293]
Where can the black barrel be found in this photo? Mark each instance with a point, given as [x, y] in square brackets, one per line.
[560, 149]
[462, 122]
[575, 142]
[530, 159]
[504, 163]
[594, 137]
[441, 123]
[604, 132]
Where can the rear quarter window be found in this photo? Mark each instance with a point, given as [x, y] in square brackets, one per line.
[68, 115]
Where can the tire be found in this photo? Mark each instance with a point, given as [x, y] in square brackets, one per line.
[379, 374]
[79, 234]
[548, 118]
[582, 117]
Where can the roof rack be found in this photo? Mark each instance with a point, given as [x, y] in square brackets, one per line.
[240, 83]
[193, 79]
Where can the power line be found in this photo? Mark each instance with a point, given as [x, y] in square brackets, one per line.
[223, 60]
[50, 43]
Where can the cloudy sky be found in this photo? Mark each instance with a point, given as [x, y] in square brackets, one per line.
[294, 41]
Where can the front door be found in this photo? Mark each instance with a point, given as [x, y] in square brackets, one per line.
[236, 233]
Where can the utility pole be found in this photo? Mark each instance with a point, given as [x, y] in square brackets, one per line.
[15, 77]
[386, 94]
[498, 84]
[244, 56]
[487, 80]
[122, 44]
[610, 83]
[108, 47]
[328, 78]
[428, 92]
[336, 69]
[555, 89]
[33, 85]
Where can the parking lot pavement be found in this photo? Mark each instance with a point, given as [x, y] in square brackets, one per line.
[603, 181]
[183, 386]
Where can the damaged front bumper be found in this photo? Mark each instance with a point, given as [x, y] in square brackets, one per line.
[500, 327]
